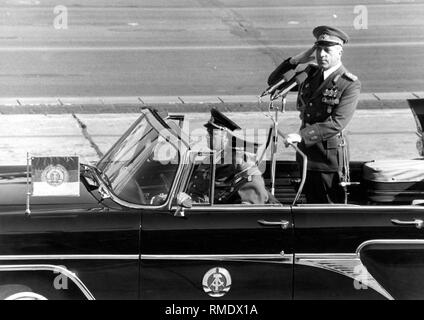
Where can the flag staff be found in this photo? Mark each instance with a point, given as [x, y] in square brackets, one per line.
[28, 195]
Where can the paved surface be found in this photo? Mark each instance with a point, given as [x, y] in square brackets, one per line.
[241, 103]
[59, 86]
[196, 47]
[374, 134]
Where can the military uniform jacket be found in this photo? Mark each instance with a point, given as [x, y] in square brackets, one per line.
[325, 109]
[241, 171]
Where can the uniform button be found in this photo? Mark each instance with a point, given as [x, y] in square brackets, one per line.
[310, 104]
[308, 115]
[195, 177]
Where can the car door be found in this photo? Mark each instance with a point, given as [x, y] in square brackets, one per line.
[228, 251]
[68, 248]
[334, 256]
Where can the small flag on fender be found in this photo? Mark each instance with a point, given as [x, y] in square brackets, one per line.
[55, 176]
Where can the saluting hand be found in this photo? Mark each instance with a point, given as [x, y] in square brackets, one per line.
[304, 57]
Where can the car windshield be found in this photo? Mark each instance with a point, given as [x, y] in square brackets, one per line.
[141, 166]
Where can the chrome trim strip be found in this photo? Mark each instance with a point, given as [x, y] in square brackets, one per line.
[69, 257]
[388, 241]
[354, 208]
[148, 257]
[338, 256]
[57, 269]
[238, 207]
[222, 257]
[344, 264]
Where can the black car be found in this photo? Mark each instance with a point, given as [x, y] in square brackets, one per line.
[135, 233]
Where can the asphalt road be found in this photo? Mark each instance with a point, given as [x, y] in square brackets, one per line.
[373, 134]
[196, 47]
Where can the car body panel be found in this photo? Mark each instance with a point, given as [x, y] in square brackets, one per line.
[397, 264]
[221, 236]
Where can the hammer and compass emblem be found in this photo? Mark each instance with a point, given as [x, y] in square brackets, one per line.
[55, 175]
[217, 282]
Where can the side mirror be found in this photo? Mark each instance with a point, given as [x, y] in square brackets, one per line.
[184, 201]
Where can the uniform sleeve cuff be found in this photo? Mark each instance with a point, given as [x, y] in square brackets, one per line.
[310, 135]
[293, 62]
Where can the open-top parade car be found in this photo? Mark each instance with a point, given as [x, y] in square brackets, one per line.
[137, 232]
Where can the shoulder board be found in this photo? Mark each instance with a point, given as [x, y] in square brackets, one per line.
[350, 76]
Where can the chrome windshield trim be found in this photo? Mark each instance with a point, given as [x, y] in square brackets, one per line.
[53, 268]
[167, 204]
[388, 241]
[181, 148]
[70, 257]
[178, 176]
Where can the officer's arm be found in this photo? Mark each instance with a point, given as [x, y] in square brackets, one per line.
[290, 64]
[278, 73]
[337, 121]
[247, 168]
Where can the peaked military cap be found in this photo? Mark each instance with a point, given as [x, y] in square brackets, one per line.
[219, 121]
[329, 36]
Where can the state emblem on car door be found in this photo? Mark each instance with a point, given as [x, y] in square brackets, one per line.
[217, 282]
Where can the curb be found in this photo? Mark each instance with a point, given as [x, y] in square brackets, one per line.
[240, 103]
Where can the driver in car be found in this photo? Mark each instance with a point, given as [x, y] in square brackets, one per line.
[237, 177]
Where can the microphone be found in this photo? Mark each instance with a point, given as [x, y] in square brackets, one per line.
[297, 80]
[271, 89]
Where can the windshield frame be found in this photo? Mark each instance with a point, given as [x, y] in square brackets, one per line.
[158, 124]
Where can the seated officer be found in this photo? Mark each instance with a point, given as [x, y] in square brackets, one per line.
[234, 170]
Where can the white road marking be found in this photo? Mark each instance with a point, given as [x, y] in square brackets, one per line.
[86, 7]
[215, 47]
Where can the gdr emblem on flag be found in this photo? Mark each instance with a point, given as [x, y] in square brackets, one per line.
[55, 176]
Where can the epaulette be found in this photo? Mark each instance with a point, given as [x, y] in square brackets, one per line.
[350, 76]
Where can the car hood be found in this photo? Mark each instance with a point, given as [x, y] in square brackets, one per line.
[13, 191]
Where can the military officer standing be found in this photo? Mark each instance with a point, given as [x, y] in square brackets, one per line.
[327, 100]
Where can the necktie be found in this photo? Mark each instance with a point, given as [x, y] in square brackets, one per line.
[321, 76]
